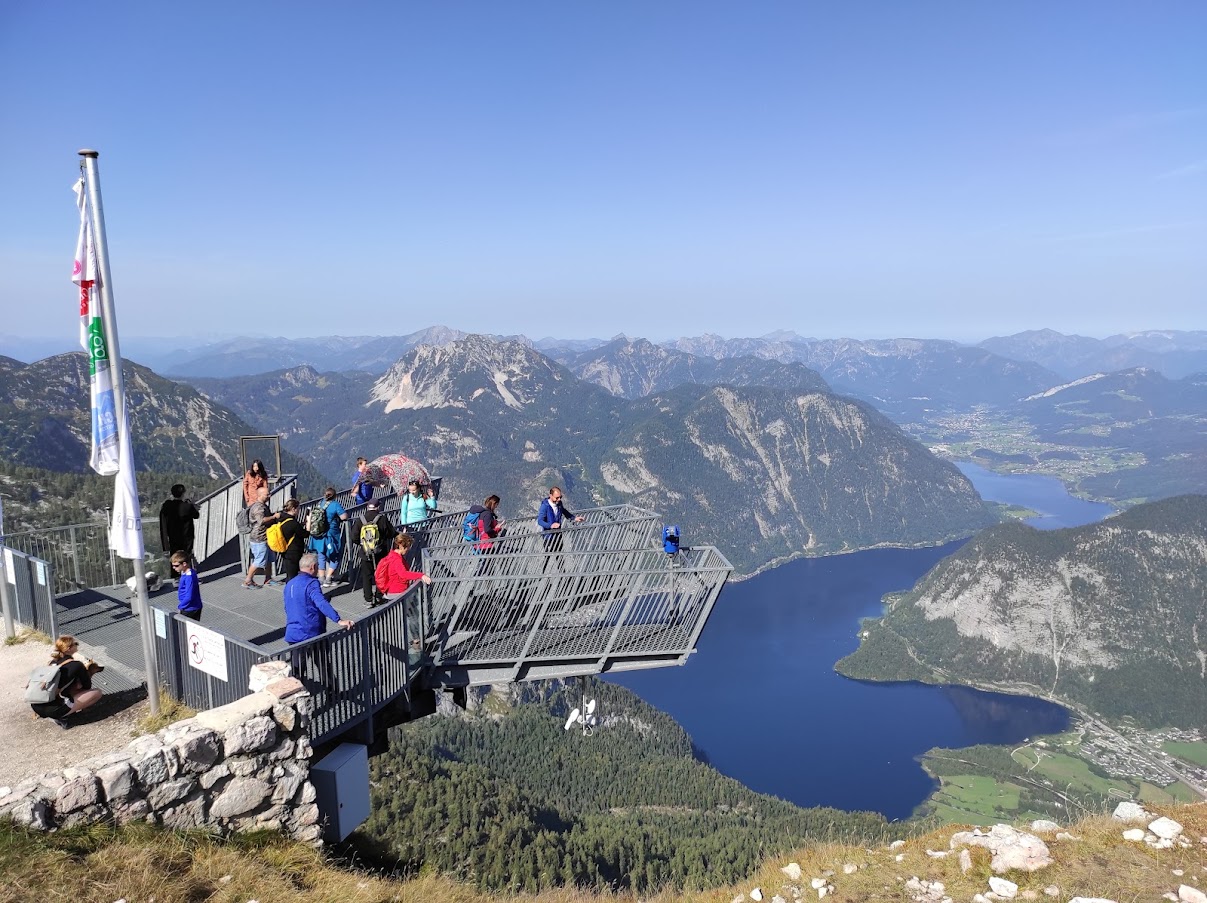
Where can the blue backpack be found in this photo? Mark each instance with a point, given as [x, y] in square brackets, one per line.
[471, 527]
[670, 540]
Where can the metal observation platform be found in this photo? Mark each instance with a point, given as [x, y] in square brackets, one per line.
[601, 597]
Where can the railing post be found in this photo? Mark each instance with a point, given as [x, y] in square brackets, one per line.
[5, 602]
[75, 558]
[112, 554]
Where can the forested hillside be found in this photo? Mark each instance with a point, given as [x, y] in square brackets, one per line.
[505, 798]
[1111, 616]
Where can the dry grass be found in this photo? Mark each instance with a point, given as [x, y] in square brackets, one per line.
[171, 710]
[102, 864]
[26, 635]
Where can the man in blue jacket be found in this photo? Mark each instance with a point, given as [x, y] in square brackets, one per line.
[306, 608]
[551, 517]
[306, 614]
[360, 482]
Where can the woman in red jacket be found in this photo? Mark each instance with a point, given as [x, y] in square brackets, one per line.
[392, 576]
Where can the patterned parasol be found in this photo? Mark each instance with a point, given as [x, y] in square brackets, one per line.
[397, 471]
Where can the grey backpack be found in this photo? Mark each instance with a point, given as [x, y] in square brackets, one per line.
[43, 684]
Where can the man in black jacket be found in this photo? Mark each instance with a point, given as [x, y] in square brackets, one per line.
[374, 545]
[176, 517]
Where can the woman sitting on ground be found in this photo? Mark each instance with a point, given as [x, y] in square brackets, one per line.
[75, 683]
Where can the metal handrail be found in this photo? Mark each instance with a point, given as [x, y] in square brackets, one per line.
[31, 590]
[445, 532]
[598, 607]
[81, 556]
[351, 674]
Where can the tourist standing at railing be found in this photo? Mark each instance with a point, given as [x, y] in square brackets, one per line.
[259, 517]
[176, 517]
[307, 612]
[360, 482]
[295, 538]
[551, 517]
[374, 533]
[330, 545]
[394, 578]
[254, 480]
[482, 525]
[417, 505]
[188, 590]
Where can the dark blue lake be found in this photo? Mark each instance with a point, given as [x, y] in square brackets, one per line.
[1045, 495]
[763, 702]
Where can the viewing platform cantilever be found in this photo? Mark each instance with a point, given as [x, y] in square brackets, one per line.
[600, 597]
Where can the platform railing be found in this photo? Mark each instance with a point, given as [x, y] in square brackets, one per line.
[613, 526]
[30, 590]
[351, 673]
[569, 612]
[78, 554]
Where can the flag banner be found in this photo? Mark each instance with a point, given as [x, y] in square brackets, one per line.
[125, 533]
[86, 274]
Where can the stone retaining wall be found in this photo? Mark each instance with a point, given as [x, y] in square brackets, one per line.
[240, 767]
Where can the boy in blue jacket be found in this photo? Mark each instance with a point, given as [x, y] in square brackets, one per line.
[188, 590]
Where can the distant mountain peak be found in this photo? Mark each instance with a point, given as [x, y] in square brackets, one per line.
[463, 371]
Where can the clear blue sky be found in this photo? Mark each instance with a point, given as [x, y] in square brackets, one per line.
[953, 170]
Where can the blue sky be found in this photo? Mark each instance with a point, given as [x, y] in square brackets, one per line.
[952, 170]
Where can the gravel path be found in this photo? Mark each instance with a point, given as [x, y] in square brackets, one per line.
[31, 745]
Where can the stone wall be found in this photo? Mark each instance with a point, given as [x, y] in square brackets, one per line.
[236, 768]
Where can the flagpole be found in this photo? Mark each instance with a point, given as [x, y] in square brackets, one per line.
[109, 318]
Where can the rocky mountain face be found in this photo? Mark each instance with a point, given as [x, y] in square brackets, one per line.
[634, 368]
[761, 472]
[1110, 616]
[44, 410]
[1174, 353]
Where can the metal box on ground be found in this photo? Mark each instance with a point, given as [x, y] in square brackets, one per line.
[341, 783]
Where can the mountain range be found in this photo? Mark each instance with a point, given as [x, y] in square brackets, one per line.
[1173, 353]
[765, 472]
[45, 422]
[1111, 616]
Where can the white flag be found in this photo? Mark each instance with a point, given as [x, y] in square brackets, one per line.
[86, 274]
[125, 533]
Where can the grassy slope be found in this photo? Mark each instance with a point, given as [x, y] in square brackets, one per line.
[138, 863]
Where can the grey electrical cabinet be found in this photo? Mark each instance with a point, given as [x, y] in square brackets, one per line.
[341, 785]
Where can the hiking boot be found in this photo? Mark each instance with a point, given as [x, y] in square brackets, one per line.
[62, 722]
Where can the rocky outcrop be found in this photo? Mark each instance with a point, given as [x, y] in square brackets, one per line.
[241, 767]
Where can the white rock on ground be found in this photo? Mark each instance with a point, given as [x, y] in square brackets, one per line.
[1003, 888]
[1165, 828]
[1129, 811]
[756, 894]
[1043, 825]
[792, 870]
[1135, 834]
[1012, 849]
[1188, 894]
